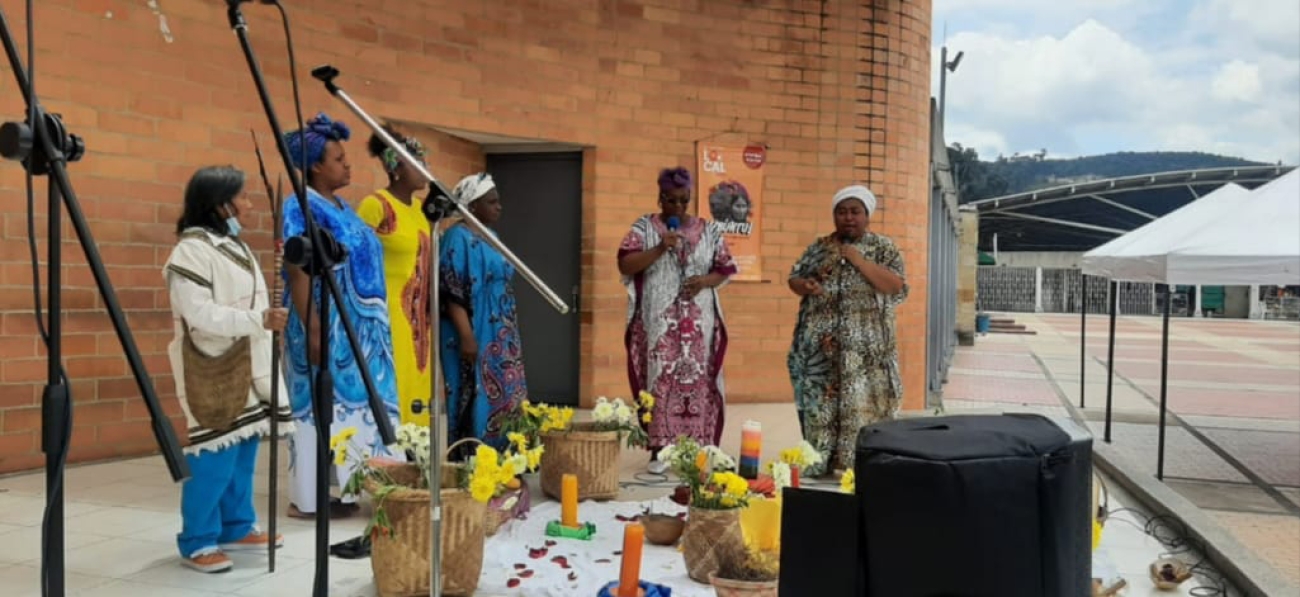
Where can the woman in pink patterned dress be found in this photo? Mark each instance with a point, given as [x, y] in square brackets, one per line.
[672, 265]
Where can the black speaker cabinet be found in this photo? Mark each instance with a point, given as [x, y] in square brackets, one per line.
[974, 506]
[820, 535]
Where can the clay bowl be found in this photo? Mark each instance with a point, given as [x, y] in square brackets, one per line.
[1168, 573]
[662, 529]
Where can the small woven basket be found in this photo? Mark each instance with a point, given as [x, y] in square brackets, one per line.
[400, 561]
[582, 451]
[708, 532]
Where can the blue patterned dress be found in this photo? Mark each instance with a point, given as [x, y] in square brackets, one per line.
[361, 282]
[475, 276]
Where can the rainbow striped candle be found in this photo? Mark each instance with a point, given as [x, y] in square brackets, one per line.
[751, 447]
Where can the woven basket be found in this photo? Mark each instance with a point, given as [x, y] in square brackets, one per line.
[725, 587]
[708, 531]
[591, 455]
[400, 561]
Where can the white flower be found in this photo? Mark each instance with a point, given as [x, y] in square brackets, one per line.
[810, 457]
[667, 453]
[719, 460]
[781, 475]
[603, 412]
[510, 502]
[520, 461]
[623, 414]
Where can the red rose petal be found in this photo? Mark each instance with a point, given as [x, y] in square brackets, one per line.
[604, 561]
[537, 553]
[573, 576]
[520, 566]
[512, 583]
[550, 543]
[526, 574]
[562, 561]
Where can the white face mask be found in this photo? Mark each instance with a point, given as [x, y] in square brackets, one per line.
[232, 225]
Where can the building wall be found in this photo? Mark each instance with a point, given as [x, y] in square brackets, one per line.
[967, 268]
[837, 90]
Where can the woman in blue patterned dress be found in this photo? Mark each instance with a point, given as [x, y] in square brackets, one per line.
[361, 282]
[482, 356]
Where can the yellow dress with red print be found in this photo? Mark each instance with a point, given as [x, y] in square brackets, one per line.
[404, 233]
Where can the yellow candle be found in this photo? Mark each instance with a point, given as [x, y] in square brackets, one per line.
[629, 578]
[569, 502]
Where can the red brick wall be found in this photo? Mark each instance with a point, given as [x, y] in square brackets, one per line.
[837, 90]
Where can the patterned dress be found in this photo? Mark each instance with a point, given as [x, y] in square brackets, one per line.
[479, 393]
[844, 358]
[675, 344]
[361, 282]
[404, 233]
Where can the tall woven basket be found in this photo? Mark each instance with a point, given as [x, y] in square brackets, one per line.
[400, 561]
[591, 455]
[707, 532]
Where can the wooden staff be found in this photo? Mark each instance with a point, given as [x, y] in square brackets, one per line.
[276, 199]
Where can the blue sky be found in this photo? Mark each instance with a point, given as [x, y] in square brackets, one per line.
[1082, 77]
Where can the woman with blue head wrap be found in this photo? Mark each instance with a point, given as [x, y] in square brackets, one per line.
[318, 151]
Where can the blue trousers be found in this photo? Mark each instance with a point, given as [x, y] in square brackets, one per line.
[217, 499]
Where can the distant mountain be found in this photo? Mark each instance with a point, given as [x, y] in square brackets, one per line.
[979, 179]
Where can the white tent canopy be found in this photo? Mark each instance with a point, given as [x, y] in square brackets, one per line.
[1231, 236]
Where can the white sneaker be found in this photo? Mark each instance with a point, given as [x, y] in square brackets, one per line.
[657, 467]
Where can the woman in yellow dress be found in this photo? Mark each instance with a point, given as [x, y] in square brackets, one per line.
[395, 214]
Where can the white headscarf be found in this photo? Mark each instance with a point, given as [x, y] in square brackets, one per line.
[473, 187]
[855, 191]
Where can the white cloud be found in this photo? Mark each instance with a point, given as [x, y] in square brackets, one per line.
[1237, 81]
[1086, 77]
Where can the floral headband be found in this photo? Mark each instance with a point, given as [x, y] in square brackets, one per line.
[391, 159]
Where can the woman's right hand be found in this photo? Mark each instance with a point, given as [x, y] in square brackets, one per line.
[275, 319]
[809, 286]
[670, 240]
[468, 348]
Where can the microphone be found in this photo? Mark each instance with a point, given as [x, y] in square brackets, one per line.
[844, 240]
[673, 223]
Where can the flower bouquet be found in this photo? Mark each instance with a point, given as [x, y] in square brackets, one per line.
[589, 449]
[717, 494]
[400, 527]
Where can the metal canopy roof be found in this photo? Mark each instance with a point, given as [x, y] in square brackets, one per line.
[1082, 216]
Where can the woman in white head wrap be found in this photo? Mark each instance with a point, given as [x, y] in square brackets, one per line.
[844, 359]
[482, 357]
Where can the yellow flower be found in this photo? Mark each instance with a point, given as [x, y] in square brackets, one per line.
[646, 418]
[647, 400]
[518, 441]
[535, 457]
[848, 482]
[482, 487]
[342, 437]
[340, 454]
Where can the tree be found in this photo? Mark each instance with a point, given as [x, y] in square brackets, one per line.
[975, 179]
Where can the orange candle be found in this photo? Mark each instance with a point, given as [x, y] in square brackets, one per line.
[629, 578]
[569, 501]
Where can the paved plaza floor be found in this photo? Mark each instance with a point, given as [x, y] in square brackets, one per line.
[1233, 447]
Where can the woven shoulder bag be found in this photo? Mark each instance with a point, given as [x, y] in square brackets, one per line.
[216, 387]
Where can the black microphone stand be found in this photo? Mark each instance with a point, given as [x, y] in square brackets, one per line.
[44, 147]
[436, 207]
[317, 253]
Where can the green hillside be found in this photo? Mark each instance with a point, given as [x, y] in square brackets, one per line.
[978, 179]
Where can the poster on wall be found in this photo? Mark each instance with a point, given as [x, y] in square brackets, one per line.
[729, 181]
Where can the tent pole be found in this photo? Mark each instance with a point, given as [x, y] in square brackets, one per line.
[1083, 336]
[1164, 383]
[1110, 354]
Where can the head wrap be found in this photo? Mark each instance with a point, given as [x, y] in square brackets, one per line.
[317, 132]
[473, 187]
[390, 159]
[855, 191]
[671, 179]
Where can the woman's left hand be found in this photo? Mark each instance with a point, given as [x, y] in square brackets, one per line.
[695, 284]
